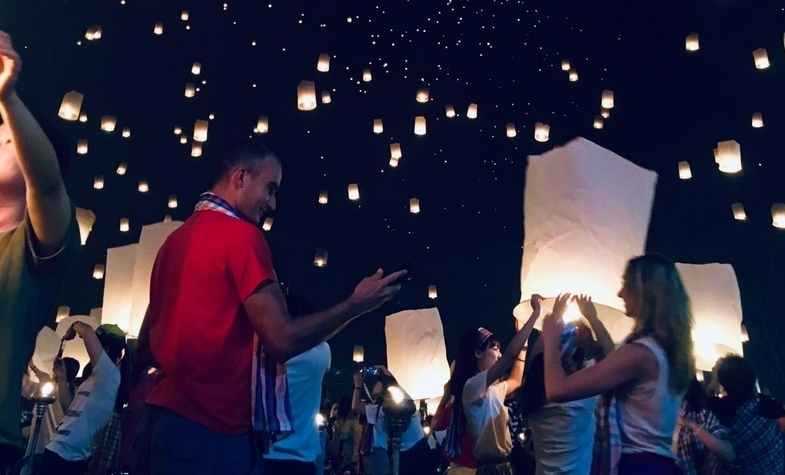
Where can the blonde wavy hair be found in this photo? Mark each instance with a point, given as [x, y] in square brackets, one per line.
[664, 313]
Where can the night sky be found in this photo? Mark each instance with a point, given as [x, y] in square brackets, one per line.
[505, 56]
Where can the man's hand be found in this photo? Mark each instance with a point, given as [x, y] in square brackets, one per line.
[586, 306]
[375, 290]
[10, 67]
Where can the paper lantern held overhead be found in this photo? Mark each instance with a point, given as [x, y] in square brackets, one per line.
[306, 96]
[70, 106]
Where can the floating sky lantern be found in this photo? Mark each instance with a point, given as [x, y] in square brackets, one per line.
[108, 123]
[449, 111]
[739, 214]
[512, 132]
[158, 29]
[433, 292]
[143, 186]
[196, 150]
[607, 99]
[757, 120]
[685, 173]
[323, 63]
[728, 156]
[326, 97]
[122, 167]
[83, 118]
[184, 15]
[692, 43]
[419, 125]
[574, 76]
[98, 271]
[565, 65]
[262, 125]
[125, 225]
[423, 95]
[178, 130]
[196, 69]
[414, 205]
[126, 133]
[605, 113]
[70, 106]
[778, 215]
[93, 33]
[471, 112]
[267, 225]
[354, 192]
[200, 130]
[98, 182]
[190, 90]
[599, 123]
[761, 57]
[172, 204]
[367, 76]
[358, 354]
[183, 139]
[82, 147]
[378, 126]
[542, 132]
[323, 198]
[85, 218]
[306, 96]
[395, 151]
[320, 258]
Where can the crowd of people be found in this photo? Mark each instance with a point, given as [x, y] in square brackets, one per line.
[226, 376]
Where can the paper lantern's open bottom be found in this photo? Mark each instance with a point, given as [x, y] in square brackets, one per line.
[616, 322]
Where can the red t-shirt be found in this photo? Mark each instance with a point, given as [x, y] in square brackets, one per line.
[200, 335]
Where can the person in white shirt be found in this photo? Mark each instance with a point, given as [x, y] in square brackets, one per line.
[70, 449]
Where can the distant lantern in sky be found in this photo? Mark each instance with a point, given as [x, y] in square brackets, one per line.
[178, 130]
[326, 97]
[739, 214]
[92, 33]
[323, 63]
[98, 182]
[542, 132]
[778, 215]
[143, 187]
[81, 147]
[63, 312]
[423, 95]
[98, 271]
[196, 150]
[85, 218]
[306, 96]
[433, 293]
[574, 76]
[323, 198]
[158, 29]
[414, 205]
[358, 354]
[354, 192]
[196, 69]
[183, 139]
[757, 120]
[605, 113]
[126, 132]
[395, 151]
[471, 112]
[200, 130]
[262, 125]
[108, 123]
[728, 156]
[599, 123]
[125, 225]
[565, 65]
[512, 132]
[692, 43]
[685, 173]
[761, 57]
[83, 118]
[267, 225]
[378, 126]
[449, 111]
[320, 258]
[367, 76]
[184, 15]
[122, 168]
[419, 125]
[607, 99]
[70, 106]
[172, 202]
[190, 90]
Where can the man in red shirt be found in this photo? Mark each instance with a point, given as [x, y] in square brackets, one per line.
[212, 289]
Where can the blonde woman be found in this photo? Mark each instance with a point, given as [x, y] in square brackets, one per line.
[649, 373]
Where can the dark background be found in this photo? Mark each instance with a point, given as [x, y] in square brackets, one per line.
[504, 55]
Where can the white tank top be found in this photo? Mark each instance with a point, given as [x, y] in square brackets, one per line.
[648, 411]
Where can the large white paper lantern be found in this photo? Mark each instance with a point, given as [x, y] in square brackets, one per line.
[542, 132]
[728, 156]
[586, 213]
[85, 218]
[200, 130]
[692, 42]
[423, 95]
[416, 353]
[608, 101]
[778, 215]
[471, 112]
[70, 106]
[761, 57]
[323, 63]
[716, 310]
[306, 96]
[739, 213]
[420, 125]
[118, 285]
[685, 172]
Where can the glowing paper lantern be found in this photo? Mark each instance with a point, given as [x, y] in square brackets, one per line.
[326, 97]
[184, 140]
[323, 63]
[47, 345]
[98, 183]
[323, 198]
[85, 218]
[416, 353]
[367, 76]
[122, 167]
[542, 132]
[125, 225]
[75, 348]
[433, 293]
[178, 130]
[394, 163]
[262, 125]
[685, 173]
[395, 151]
[200, 130]
[94, 33]
[419, 125]
[378, 126]
[423, 95]
[118, 285]
[607, 99]
[449, 111]
[739, 214]
[565, 65]
[126, 132]
[196, 150]
[143, 187]
[172, 204]
[414, 205]
[98, 271]
[82, 147]
[716, 310]
[574, 76]
[757, 120]
[184, 15]
[471, 112]
[306, 96]
[158, 29]
[728, 156]
[108, 123]
[196, 69]
[692, 43]
[745, 337]
[605, 113]
[190, 90]
[778, 215]
[511, 131]
[354, 192]
[83, 118]
[761, 57]
[358, 354]
[70, 106]
[586, 214]
[320, 259]
[267, 225]
[599, 123]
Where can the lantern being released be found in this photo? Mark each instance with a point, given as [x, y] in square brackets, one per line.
[449, 111]
[86, 219]
[739, 214]
[358, 354]
[70, 106]
[419, 125]
[586, 214]
[306, 96]
[354, 192]
[423, 95]
[320, 259]
[761, 57]
[262, 125]
[692, 43]
[378, 126]
[416, 353]
[757, 120]
[395, 151]
[778, 215]
[511, 131]
[414, 205]
[542, 132]
[82, 147]
[200, 130]
[728, 156]
[607, 99]
[108, 123]
[471, 112]
[685, 173]
[323, 63]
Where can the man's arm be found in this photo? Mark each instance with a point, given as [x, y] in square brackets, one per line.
[48, 204]
[284, 337]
